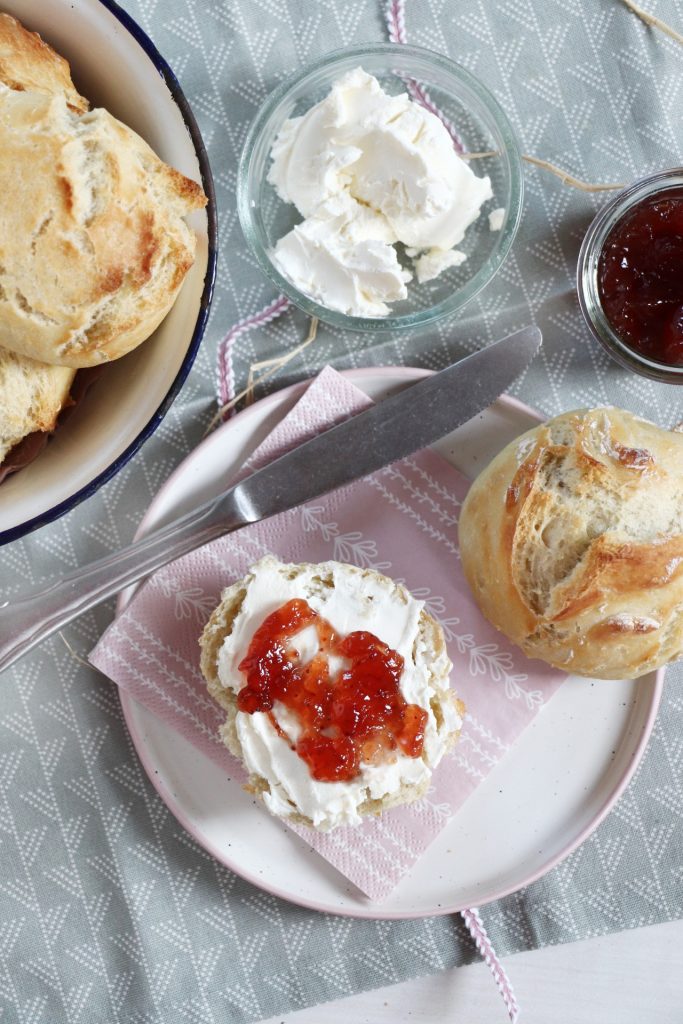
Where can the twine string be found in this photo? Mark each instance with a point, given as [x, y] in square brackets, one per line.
[654, 21]
[269, 366]
[74, 653]
[226, 373]
[564, 176]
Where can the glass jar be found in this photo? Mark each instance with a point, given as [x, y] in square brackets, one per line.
[587, 275]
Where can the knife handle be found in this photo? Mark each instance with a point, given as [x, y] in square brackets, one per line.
[34, 616]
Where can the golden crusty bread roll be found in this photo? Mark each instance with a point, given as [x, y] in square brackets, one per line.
[32, 396]
[92, 248]
[93, 245]
[28, 63]
[572, 543]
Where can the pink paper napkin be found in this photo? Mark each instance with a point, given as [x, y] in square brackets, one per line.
[401, 521]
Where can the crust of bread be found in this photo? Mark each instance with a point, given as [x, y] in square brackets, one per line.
[94, 245]
[572, 543]
[27, 63]
[31, 397]
[32, 393]
[93, 248]
[219, 626]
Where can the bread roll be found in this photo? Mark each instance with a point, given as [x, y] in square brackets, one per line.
[93, 245]
[93, 248]
[572, 543]
[31, 397]
[360, 599]
[32, 394]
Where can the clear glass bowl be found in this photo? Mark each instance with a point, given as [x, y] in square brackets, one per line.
[483, 128]
[587, 275]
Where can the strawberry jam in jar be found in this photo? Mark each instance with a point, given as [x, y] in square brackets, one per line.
[630, 277]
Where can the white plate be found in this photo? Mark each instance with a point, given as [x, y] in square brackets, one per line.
[538, 804]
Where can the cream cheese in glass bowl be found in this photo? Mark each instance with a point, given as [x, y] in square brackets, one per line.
[358, 203]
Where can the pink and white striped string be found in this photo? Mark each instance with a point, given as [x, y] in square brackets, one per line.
[476, 928]
[226, 372]
[396, 26]
[394, 14]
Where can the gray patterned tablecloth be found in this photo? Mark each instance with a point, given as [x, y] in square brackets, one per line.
[109, 912]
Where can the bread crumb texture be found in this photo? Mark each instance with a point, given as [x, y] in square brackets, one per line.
[32, 394]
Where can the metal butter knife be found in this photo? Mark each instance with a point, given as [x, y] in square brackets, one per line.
[390, 430]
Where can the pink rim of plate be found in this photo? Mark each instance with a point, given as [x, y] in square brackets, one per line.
[371, 910]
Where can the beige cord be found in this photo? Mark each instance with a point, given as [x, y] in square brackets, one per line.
[569, 179]
[651, 19]
[274, 365]
[565, 178]
[74, 654]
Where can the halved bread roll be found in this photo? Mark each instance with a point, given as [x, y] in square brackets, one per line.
[349, 599]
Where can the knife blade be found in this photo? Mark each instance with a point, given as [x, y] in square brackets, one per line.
[384, 433]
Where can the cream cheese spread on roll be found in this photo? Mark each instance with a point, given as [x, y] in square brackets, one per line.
[355, 600]
[401, 180]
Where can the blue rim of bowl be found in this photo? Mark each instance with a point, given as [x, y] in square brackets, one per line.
[173, 85]
[479, 281]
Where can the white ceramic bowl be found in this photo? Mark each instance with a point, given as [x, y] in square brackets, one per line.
[116, 65]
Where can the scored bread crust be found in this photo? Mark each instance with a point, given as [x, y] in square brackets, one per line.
[572, 543]
[28, 63]
[219, 626]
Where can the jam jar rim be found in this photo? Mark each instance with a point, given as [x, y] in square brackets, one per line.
[587, 274]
